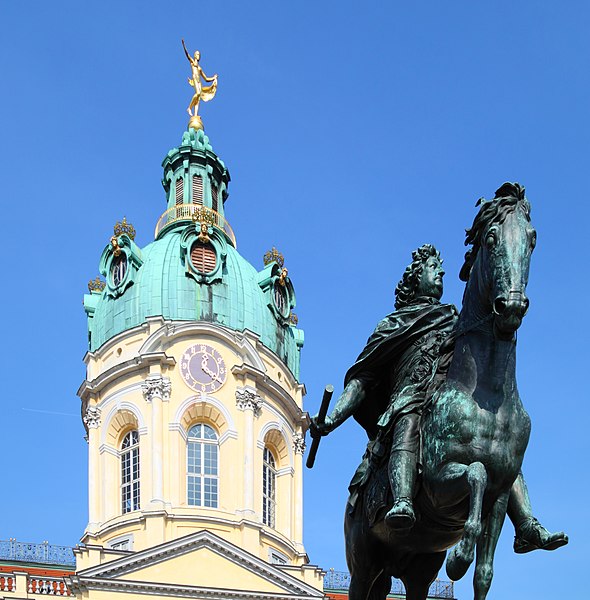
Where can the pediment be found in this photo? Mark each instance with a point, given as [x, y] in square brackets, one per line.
[195, 565]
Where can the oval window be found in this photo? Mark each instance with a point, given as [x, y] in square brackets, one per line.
[280, 298]
[203, 257]
[119, 269]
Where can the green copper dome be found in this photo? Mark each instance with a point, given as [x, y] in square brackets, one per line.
[192, 271]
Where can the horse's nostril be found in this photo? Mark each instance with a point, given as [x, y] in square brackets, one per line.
[525, 304]
[499, 305]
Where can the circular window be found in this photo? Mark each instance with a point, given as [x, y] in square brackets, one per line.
[119, 269]
[203, 257]
[280, 298]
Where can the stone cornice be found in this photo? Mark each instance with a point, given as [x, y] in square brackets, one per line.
[125, 368]
[80, 583]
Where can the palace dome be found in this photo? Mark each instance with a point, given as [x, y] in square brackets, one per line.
[192, 270]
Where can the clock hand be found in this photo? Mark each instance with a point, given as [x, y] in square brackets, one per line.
[206, 369]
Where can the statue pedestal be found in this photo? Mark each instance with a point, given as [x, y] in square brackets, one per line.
[195, 123]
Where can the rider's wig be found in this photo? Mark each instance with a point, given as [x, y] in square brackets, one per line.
[508, 198]
[405, 290]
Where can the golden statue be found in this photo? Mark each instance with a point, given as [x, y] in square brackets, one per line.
[204, 93]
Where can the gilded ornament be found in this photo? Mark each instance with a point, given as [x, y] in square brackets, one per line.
[274, 256]
[293, 319]
[204, 234]
[96, 285]
[204, 93]
[115, 245]
[283, 277]
[122, 227]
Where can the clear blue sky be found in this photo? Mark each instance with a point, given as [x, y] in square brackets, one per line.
[353, 134]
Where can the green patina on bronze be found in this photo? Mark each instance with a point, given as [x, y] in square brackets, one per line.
[447, 430]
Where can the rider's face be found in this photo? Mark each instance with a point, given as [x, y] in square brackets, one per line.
[431, 280]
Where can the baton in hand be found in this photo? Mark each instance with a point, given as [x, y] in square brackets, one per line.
[315, 444]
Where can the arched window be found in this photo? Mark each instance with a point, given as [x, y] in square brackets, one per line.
[179, 191]
[269, 486]
[130, 472]
[197, 189]
[214, 203]
[202, 466]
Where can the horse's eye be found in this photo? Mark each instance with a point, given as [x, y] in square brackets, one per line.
[491, 239]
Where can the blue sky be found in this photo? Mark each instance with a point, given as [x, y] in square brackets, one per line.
[353, 134]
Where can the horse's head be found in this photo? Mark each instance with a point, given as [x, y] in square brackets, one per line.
[502, 240]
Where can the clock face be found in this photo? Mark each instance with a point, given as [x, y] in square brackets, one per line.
[203, 368]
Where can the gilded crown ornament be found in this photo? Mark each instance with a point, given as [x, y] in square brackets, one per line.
[274, 256]
[202, 92]
[96, 285]
[122, 227]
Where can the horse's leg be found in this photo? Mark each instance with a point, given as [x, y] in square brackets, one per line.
[420, 573]
[381, 587]
[462, 554]
[366, 571]
[484, 566]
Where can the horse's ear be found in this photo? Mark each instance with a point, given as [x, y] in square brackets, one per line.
[466, 268]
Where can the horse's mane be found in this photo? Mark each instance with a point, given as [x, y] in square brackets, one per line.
[508, 198]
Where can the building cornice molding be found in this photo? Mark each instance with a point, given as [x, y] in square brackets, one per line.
[78, 584]
[117, 372]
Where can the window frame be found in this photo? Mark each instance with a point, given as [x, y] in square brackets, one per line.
[130, 473]
[202, 487]
[269, 488]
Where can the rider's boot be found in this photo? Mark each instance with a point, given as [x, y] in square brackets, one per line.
[402, 477]
[531, 535]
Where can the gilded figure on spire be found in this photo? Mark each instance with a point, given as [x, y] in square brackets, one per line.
[204, 93]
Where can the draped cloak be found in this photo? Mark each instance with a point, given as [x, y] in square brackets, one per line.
[400, 367]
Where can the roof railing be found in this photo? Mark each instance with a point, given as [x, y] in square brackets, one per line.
[340, 580]
[44, 553]
[197, 213]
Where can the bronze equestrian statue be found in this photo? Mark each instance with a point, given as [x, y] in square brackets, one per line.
[437, 393]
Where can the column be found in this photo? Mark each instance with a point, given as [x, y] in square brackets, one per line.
[92, 420]
[299, 449]
[248, 401]
[156, 389]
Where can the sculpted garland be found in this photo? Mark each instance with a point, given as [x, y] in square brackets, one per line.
[436, 393]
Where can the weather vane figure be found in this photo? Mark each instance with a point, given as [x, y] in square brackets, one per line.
[204, 93]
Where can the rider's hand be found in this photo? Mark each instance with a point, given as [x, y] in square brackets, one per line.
[319, 429]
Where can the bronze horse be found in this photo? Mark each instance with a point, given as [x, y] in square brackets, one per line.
[474, 431]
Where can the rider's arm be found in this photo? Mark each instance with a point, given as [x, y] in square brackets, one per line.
[349, 401]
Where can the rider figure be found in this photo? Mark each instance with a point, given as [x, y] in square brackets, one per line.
[387, 387]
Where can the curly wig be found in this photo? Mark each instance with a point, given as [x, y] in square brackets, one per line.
[405, 290]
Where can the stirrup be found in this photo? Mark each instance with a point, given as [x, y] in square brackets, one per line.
[401, 515]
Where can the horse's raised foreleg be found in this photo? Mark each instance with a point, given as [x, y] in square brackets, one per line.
[484, 566]
[462, 554]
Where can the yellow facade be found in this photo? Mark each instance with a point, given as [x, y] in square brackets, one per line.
[135, 383]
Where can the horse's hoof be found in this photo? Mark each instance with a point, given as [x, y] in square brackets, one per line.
[401, 515]
[457, 564]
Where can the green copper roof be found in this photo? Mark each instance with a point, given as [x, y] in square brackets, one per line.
[161, 280]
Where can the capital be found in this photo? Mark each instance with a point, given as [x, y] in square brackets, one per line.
[249, 400]
[298, 443]
[92, 417]
[156, 386]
